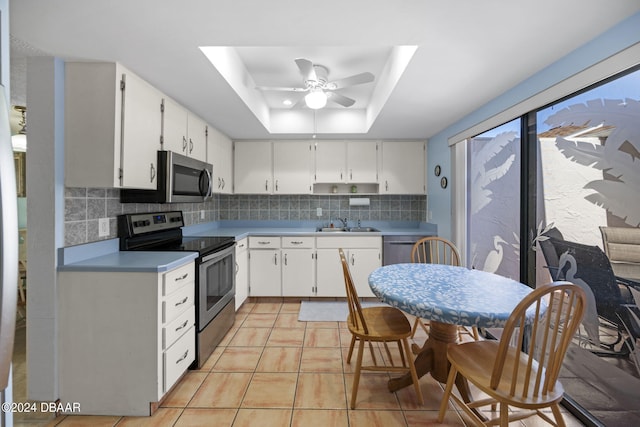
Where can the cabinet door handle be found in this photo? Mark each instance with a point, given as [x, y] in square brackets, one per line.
[353, 260]
[152, 173]
[276, 185]
[184, 356]
[350, 173]
[285, 259]
[219, 182]
[237, 268]
[386, 185]
[223, 183]
[184, 325]
[190, 145]
[266, 185]
[184, 276]
[275, 259]
[182, 302]
[184, 143]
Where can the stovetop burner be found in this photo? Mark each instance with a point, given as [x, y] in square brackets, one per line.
[162, 231]
[203, 245]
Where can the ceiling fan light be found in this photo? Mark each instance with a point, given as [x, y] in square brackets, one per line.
[316, 99]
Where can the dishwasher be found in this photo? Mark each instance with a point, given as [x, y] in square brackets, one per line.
[397, 249]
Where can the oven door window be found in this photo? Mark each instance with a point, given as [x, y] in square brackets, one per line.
[219, 280]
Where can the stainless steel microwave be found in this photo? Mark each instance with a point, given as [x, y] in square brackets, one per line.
[180, 179]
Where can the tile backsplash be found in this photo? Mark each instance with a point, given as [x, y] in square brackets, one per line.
[84, 206]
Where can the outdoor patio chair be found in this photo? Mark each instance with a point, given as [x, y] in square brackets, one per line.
[622, 246]
[589, 267]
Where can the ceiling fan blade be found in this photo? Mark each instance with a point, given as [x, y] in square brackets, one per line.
[306, 69]
[282, 89]
[341, 99]
[356, 79]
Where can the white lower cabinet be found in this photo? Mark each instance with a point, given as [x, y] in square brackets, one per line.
[124, 338]
[364, 254]
[298, 266]
[281, 266]
[242, 271]
[264, 267]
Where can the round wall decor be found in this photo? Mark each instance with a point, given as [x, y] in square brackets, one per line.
[437, 170]
[443, 182]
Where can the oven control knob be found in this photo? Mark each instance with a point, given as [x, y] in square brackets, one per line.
[146, 222]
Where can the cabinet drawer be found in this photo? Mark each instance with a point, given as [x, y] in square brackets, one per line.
[176, 303]
[258, 242]
[298, 242]
[178, 357]
[174, 279]
[331, 242]
[172, 331]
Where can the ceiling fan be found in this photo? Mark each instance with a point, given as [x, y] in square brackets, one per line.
[319, 88]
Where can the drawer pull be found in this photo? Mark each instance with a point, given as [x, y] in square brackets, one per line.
[184, 276]
[184, 325]
[182, 302]
[184, 356]
[264, 242]
[296, 242]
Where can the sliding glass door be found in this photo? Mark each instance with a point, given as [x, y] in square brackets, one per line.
[494, 200]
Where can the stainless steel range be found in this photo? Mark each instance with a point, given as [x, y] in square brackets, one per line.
[215, 270]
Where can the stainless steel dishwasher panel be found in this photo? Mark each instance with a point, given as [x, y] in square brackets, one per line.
[397, 249]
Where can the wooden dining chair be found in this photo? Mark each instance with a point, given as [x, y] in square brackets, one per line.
[376, 324]
[437, 250]
[511, 377]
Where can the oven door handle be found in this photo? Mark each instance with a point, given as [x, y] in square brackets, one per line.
[219, 254]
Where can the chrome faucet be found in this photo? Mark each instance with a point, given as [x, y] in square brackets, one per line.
[344, 221]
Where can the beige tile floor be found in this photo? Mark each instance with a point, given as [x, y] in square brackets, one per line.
[272, 370]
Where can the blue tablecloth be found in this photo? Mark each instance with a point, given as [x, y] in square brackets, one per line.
[448, 294]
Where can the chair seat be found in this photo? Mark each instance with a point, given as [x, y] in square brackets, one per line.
[383, 323]
[475, 361]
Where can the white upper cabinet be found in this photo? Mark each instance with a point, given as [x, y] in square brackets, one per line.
[253, 173]
[403, 167]
[362, 161]
[113, 124]
[346, 162]
[183, 133]
[197, 137]
[265, 167]
[331, 161]
[220, 155]
[292, 167]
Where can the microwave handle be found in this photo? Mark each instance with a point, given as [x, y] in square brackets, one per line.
[209, 178]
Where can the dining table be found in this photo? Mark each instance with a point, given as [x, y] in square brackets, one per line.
[449, 296]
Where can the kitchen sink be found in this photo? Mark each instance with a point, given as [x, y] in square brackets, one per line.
[364, 230]
[331, 229]
[347, 230]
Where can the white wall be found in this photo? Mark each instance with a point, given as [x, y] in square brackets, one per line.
[610, 53]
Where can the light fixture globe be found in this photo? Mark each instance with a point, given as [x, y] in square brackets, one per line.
[316, 99]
